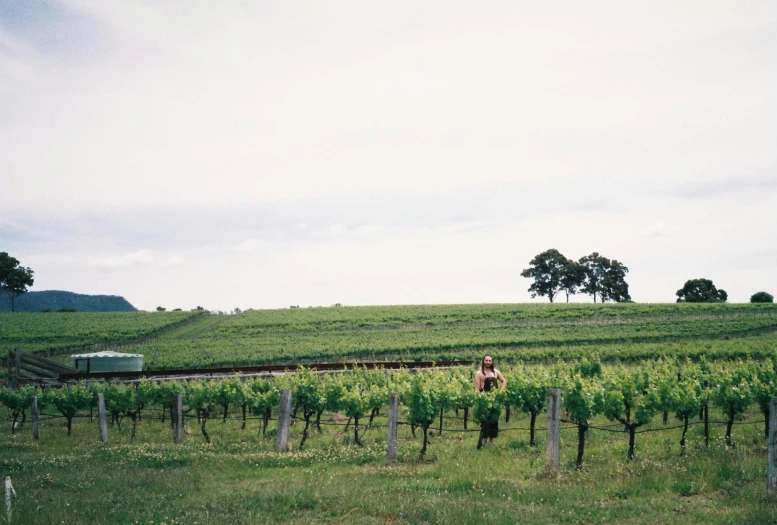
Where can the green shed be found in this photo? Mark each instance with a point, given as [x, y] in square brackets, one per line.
[107, 362]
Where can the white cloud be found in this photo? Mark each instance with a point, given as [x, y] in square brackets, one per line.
[237, 102]
[657, 229]
[365, 153]
[368, 232]
[172, 261]
[336, 230]
[251, 246]
[140, 258]
[122, 261]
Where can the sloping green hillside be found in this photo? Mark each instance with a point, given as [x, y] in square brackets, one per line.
[529, 332]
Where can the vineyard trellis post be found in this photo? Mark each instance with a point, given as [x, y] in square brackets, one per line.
[554, 421]
[284, 418]
[102, 417]
[10, 361]
[706, 413]
[35, 419]
[393, 416]
[9, 491]
[14, 368]
[771, 476]
[178, 415]
[18, 374]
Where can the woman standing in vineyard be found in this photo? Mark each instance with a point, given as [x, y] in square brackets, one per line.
[485, 381]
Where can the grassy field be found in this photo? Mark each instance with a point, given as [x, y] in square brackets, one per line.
[240, 479]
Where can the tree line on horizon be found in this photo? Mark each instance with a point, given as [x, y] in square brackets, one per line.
[605, 278]
[551, 271]
[14, 279]
[593, 274]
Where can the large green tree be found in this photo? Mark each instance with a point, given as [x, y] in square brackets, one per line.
[615, 286]
[14, 279]
[761, 297]
[7, 263]
[572, 278]
[700, 291]
[547, 269]
[604, 278]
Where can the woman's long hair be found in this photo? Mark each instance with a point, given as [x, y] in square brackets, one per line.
[483, 364]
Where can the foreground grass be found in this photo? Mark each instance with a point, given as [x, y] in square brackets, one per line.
[240, 479]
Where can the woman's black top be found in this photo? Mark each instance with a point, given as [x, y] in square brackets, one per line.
[489, 429]
[488, 384]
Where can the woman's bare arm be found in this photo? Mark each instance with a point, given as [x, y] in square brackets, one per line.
[478, 381]
[501, 379]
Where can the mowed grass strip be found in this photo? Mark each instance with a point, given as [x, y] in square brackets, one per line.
[240, 479]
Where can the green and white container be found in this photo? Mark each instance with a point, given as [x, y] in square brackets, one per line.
[107, 362]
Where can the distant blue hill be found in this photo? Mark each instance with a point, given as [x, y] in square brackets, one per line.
[55, 299]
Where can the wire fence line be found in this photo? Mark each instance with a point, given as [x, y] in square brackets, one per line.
[556, 425]
[674, 427]
[616, 428]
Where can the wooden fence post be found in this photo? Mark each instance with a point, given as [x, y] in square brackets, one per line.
[284, 418]
[102, 416]
[9, 491]
[393, 417]
[178, 415]
[35, 421]
[771, 476]
[554, 417]
[11, 362]
[14, 368]
[18, 367]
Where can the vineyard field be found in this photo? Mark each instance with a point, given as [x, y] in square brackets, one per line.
[534, 332]
[448, 342]
[91, 327]
[227, 469]
[344, 317]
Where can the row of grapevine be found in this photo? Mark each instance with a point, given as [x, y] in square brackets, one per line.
[89, 326]
[295, 319]
[630, 397]
[448, 342]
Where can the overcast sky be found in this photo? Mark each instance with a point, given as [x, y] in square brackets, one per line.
[265, 154]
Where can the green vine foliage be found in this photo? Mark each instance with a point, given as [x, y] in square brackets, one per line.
[632, 396]
[582, 399]
[488, 405]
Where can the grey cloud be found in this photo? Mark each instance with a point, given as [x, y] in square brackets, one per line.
[12, 232]
[593, 205]
[657, 229]
[189, 226]
[53, 28]
[753, 259]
